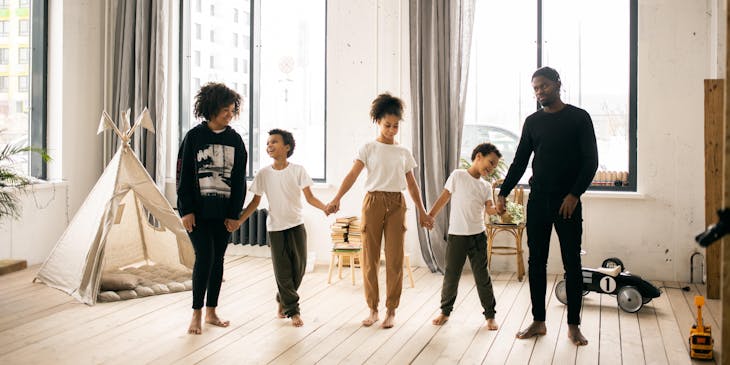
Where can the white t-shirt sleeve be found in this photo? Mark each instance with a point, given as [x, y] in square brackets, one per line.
[303, 178]
[362, 154]
[410, 161]
[258, 183]
[450, 183]
[490, 197]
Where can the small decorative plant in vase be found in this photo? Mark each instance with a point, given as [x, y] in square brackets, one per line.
[514, 214]
[12, 182]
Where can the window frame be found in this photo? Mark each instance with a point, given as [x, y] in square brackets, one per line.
[254, 60]
[38, 84]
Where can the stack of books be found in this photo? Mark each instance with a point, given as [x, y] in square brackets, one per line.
[344, 237]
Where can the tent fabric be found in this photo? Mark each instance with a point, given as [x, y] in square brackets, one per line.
[112, 230]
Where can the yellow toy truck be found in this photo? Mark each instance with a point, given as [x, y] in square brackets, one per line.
[700, 336]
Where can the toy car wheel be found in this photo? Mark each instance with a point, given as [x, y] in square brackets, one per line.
[629, 299]
[561, 293]
[612, 262]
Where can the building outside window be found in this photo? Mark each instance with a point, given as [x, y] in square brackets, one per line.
[22, 96]
[588, 42]
[288, 74]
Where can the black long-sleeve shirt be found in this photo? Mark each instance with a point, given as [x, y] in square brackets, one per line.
[211, 173]
[566, 155]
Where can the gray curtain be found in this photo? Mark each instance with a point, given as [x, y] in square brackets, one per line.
[440, 41]
[137, 65]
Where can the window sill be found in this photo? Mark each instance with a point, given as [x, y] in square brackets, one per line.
[614, 195]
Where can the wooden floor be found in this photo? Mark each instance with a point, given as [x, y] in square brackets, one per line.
[40, 325]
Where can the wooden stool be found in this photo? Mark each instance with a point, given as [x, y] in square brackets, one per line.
[516, 230]
[341, 255]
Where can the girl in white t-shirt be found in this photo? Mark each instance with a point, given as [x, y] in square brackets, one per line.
[470, 196]
[390, 171]
[283, 183]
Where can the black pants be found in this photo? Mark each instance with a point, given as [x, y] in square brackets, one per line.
[210, 240]
[542, 215]
[289, 256]
[457, 250]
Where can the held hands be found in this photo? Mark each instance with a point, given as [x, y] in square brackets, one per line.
[426, 220]
[332, 207]
[568, 207]
[501, 205]
[188, 221]
[232, 224]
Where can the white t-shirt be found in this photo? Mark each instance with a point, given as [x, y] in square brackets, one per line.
[283, 189]
[387, 166]
[468, 198]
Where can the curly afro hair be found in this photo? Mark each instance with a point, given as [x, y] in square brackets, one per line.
[213, 97]
[386, 104]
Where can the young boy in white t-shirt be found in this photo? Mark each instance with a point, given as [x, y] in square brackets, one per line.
[470, 196]
[283, 182]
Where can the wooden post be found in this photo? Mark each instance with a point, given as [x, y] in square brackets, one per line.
[724, 355]
[714, 139]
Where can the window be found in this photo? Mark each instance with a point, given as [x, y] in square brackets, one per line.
[212, 61]
[212, 10]
[198, 32]
[591, 43]
[287, 74]
[196, 58]
[212, 35]
[23, 83]
[23, 27]
[198, 5]
[23, 55]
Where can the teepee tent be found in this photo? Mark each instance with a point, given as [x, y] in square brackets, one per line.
[125, 220]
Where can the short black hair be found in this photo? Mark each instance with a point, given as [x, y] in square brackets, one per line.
[287, 137]
[386, 104]
[213, 97]
[547, 72]
[485, 149]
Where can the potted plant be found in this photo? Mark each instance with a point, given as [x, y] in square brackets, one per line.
[11, 182]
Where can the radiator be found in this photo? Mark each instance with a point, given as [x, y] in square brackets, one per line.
[253, 230]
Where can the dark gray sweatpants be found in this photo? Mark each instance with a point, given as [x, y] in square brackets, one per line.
[289, 256]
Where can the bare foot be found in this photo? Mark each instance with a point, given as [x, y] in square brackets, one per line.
[212, 318]
[492, 324]
[535, 329]
[296, 321]
[195, 326]
[280, 312]
[576, 336]
[389, 320]
[440, 320]
[372, 318]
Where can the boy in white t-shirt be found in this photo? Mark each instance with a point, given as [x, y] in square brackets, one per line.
[470, 196]
[283, 182]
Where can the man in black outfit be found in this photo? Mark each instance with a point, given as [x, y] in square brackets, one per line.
[566, 158]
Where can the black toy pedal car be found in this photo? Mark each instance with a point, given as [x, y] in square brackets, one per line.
[631, 291]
